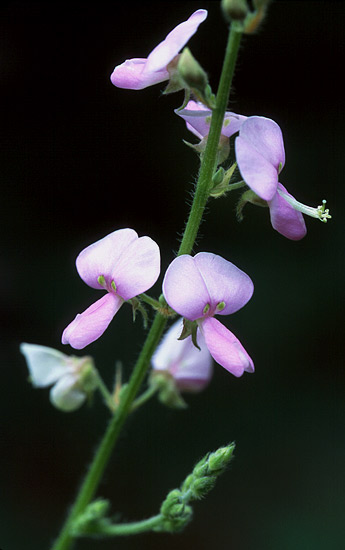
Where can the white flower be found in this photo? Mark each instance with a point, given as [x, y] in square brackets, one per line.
[73, 377]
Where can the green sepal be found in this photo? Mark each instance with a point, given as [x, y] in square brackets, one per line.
[137, 306]
[248, 196]
[189, 329]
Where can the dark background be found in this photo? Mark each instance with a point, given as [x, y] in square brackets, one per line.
[79, 159]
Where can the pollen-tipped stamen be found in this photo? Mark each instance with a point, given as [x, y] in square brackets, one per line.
[321, 212]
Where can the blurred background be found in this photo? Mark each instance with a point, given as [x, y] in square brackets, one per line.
[79, 159]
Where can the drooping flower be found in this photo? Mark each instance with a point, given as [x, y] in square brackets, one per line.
[139, 73]
[190, 367]
[74, 378]
[198, 119]
[124, 265]
[260, 157]
[200, 287]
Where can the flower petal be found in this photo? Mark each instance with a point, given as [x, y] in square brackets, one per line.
[225, 348]
[46, 365]
[90, 325]
[131, 75]
[224, 282]
[190, 367]
[266, 137]
[258, 173]
[162, 54]
[101, 257]
[198, 120]
[184, 288]
[138, 268]
[65, 396]
[285, 219]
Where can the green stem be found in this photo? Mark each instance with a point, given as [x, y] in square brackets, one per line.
[209, 161]
[107, 396]
[236, 185]
[94, 475]
[150, 301]
[132, 528]
[150, 392]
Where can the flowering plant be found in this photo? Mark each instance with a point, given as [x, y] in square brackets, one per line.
[198, 287]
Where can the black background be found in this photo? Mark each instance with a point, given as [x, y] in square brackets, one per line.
[79, 159]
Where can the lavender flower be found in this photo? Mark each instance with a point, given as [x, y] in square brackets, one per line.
[260, 157]
[203, 286]
[139, 73]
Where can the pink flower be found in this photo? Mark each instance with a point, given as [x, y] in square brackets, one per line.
[198, 119]
[138, 73]
[205, 285]
[190, 367]
[124, 265]
[260, 157]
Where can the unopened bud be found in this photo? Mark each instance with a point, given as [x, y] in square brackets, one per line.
[235, 10]
[191, 72]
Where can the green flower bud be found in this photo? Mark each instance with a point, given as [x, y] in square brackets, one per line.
[235, 10]
[219, 460]
[192, 74]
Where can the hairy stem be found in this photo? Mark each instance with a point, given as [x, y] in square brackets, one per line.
[204, 184]
[208, 165]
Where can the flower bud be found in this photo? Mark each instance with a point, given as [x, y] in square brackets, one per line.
[192, 74]
[235, 10]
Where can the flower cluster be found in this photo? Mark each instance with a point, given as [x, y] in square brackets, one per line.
[198, 288]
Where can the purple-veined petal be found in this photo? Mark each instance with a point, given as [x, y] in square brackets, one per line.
[138, 268]
[184, 288]
[266, 138]
[90, 325]
[101, 257]
[198, 120]
[225, 348]
[258, 173]
[65, 396]
[190, 367]
[285, 219]
[46, 365]
[224, 282]
[162, 54]
[130, 75]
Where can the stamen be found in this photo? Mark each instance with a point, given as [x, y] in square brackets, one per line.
[113, 285]
[220, 306]
[321, 212]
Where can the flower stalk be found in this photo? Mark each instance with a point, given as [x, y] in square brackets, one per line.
[202, 192]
